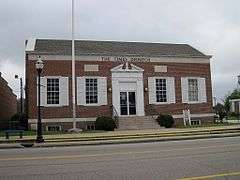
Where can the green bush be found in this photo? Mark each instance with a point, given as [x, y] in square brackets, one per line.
[165, 120]
[105, 123]
[233, 114]
[4, 123]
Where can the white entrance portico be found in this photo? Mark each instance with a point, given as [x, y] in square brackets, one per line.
[127, 90]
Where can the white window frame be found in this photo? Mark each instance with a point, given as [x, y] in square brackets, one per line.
[81, 94]
[93, 78]
[197, 91]
[63, 91]
[170, 90]
[166, 91]
[51, 104]
[202, 91]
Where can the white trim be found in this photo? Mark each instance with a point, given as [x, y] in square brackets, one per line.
[30, 46]
[134, 68]
[202, 96]
[169, 88]
[93, 104]
[82, 101]
[163, 69]
[234, 100]
[191, 60]
[91, 67]
[133, 75]
[61, 120]
[177, 116]
[60, 89]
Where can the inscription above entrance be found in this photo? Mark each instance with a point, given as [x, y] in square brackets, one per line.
[124, 59]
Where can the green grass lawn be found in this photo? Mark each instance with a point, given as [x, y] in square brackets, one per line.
[33, 133]
[232, 118]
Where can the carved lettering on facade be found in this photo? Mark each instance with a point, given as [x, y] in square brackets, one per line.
[124, 59]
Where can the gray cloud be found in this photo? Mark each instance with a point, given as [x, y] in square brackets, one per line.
[211, 26]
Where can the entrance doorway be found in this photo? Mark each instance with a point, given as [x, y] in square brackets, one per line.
[128, 103]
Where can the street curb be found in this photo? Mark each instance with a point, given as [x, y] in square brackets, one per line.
[132, 136]
[129, 141]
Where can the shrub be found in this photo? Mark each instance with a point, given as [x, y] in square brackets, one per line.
[165, 120]
[220, 111]
[105, 123]
[233, 114]
[4, 123]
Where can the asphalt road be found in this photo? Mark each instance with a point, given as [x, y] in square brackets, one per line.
[196, 159]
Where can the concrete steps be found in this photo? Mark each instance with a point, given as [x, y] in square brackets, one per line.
[137, 123]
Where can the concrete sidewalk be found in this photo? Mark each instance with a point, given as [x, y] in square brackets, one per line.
[126, 133]
[120, 141]
[118, 137]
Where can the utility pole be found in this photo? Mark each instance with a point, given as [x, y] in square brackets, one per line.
[21, 96]
[238, 82]
[21, 93]
[73, 72]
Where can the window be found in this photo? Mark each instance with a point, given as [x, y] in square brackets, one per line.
[90, 127]
[161, 90]
[195, 122]
[91, 91]
[192, 90]
[54, 128]
[53, 91]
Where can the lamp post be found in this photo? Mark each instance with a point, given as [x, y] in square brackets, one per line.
[39, 66]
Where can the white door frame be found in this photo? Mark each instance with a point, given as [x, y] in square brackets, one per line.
[124, 76]
[128, 91]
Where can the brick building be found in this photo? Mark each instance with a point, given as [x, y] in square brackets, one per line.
[135, 80]
[8, 103]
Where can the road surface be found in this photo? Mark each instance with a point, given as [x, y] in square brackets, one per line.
[192, 159]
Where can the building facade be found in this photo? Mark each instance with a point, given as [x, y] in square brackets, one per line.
[8, 103]
[133, 79]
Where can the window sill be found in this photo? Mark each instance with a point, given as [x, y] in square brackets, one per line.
[194, 102]
[53, 105]
[93, 105]
[162, 103]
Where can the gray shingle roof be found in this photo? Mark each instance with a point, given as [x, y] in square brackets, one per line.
[114, 48]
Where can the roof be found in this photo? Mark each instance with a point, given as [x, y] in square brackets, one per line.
[114, 48]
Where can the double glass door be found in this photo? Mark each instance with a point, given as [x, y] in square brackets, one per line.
[128, 103]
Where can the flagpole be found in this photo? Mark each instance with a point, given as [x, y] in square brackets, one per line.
[73, 72]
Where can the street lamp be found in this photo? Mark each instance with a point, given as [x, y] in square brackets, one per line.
[39, 66]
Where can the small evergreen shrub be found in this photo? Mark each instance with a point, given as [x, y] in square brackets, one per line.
[105, 123]
[233, 114]
[4, 123]
[165, 120]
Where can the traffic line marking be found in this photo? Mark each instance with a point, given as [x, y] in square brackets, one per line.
[212, 176]
[108, 154]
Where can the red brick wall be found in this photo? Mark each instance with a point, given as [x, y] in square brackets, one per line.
[63, 68]
[8, 101]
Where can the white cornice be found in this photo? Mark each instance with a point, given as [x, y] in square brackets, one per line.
[113, 59]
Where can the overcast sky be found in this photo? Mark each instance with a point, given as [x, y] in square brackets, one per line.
[212, 26]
